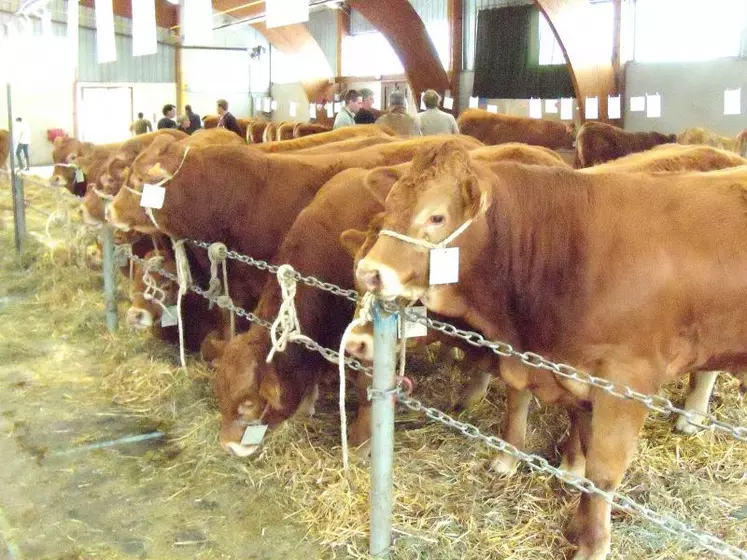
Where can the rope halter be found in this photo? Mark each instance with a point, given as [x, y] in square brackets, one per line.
[427, 244]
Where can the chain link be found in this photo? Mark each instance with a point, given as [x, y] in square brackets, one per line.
[541, 465]
[656, 403]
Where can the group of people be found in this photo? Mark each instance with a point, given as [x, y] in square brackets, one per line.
[358, 109]
[189, 122]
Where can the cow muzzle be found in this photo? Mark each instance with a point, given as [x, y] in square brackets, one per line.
[138, 318]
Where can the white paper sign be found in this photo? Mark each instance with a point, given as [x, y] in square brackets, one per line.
[79, 176]
[474, 102]
[336, 107]
[169, 317]
[535, 108]
[413, 329]
[257, 103]
[637, 104]
[448, 103]
[153, 196]
[292, 109]
[253, 435]
[144, 35]
[653, 106]
[613, 107]
[733, 101]
[266, 104]
[492, 108]
[330, 111]
[592, 107]
[444, 266]
[566, 108]
[274, 105]
[422, 103]
[551, 106]
[312, 110]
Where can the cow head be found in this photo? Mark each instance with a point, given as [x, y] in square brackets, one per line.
[111, 177]
[250, 391]
[156, 163]
[438, 195]
[149, 288]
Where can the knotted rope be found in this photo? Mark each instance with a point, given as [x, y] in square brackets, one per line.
[218, 255]
[286, 327]
[185, 280]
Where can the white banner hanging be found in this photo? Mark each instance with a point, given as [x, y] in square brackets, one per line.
[733, 101]
[144, 36]
[535, 108]
[286, 12]
[614, 108]
[566, 109]
[105, 44]
[653, 106]
[592, 108]
[198, 22]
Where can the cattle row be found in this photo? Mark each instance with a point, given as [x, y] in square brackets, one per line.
[633, 270]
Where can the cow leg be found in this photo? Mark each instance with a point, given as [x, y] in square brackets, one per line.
[615, 425]
[479, 380]
[359, 432]
[701, 387]
[515, 430]
[572, 450]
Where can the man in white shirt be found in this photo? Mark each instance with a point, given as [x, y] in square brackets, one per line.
[434, 120]
[21, 137]
[346, 116]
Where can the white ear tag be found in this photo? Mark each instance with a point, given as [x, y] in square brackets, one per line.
[123, 259]
[79, 177]
[153, 196]
[413, 329]
[444, 267]
[169, 318]
[253, 435]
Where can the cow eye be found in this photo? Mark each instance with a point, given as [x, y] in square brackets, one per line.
[436, 219]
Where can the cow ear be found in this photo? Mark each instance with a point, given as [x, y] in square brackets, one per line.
[380, 182]
[269, 388]
[352, 240]
[475, 199]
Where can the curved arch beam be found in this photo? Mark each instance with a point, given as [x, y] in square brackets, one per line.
[398, 21]
[590, 77]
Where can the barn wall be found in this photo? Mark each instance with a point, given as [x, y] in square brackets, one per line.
[284, 94]
[692, 94]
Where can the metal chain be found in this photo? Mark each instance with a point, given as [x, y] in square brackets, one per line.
[657, 403]
[541, 465]
[329, 355]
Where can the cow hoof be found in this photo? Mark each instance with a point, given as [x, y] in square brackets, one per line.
[504, 465]
[598, 553]
[685, 426]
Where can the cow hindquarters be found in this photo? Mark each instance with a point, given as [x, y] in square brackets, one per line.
[611, 443]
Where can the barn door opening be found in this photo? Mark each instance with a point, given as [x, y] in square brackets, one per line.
[105, 113]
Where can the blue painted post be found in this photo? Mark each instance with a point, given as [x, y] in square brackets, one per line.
[110, 277]
[16, 183]
[382, 431]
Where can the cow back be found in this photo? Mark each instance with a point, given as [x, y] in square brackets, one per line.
[494, 128]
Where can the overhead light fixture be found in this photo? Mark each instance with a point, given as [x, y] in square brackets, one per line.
[174, 2]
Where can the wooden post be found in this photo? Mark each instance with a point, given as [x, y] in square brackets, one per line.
[456, 27]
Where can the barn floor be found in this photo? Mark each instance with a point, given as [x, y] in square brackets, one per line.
[65, 384]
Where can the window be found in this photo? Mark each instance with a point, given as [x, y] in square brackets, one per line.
[681, 30]
[597, 25]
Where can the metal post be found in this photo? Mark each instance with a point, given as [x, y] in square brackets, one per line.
[382, 431]
[110, 282]
[16, 183]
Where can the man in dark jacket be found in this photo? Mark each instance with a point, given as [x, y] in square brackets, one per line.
[367, 114]
[227, 120]
[168, 120]
[194, 120]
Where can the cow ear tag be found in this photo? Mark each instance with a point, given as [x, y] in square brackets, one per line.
[444, 266]
[413, 329]
[253, 435]
[79, 177]
[169, 316]
[153, 196]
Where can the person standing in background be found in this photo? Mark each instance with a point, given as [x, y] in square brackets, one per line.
[434, 120]
[346, 116]
[169, 114]
[367, 114]
[141, 125]
[227, 120]
[398, 119]
[22, 139]
[195, 123]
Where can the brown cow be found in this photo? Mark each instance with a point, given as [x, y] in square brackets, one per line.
[270, 132]
[285, 131]
[494, 128]
[211, 121]
[307, 129]
[349, 145]
[67, 155]
[4, 148]
[117, 167]
[256, 131]
[599, 142]
[338, 135]
[703, 136]
[244, 381]
[238, 195]
[612, 273]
